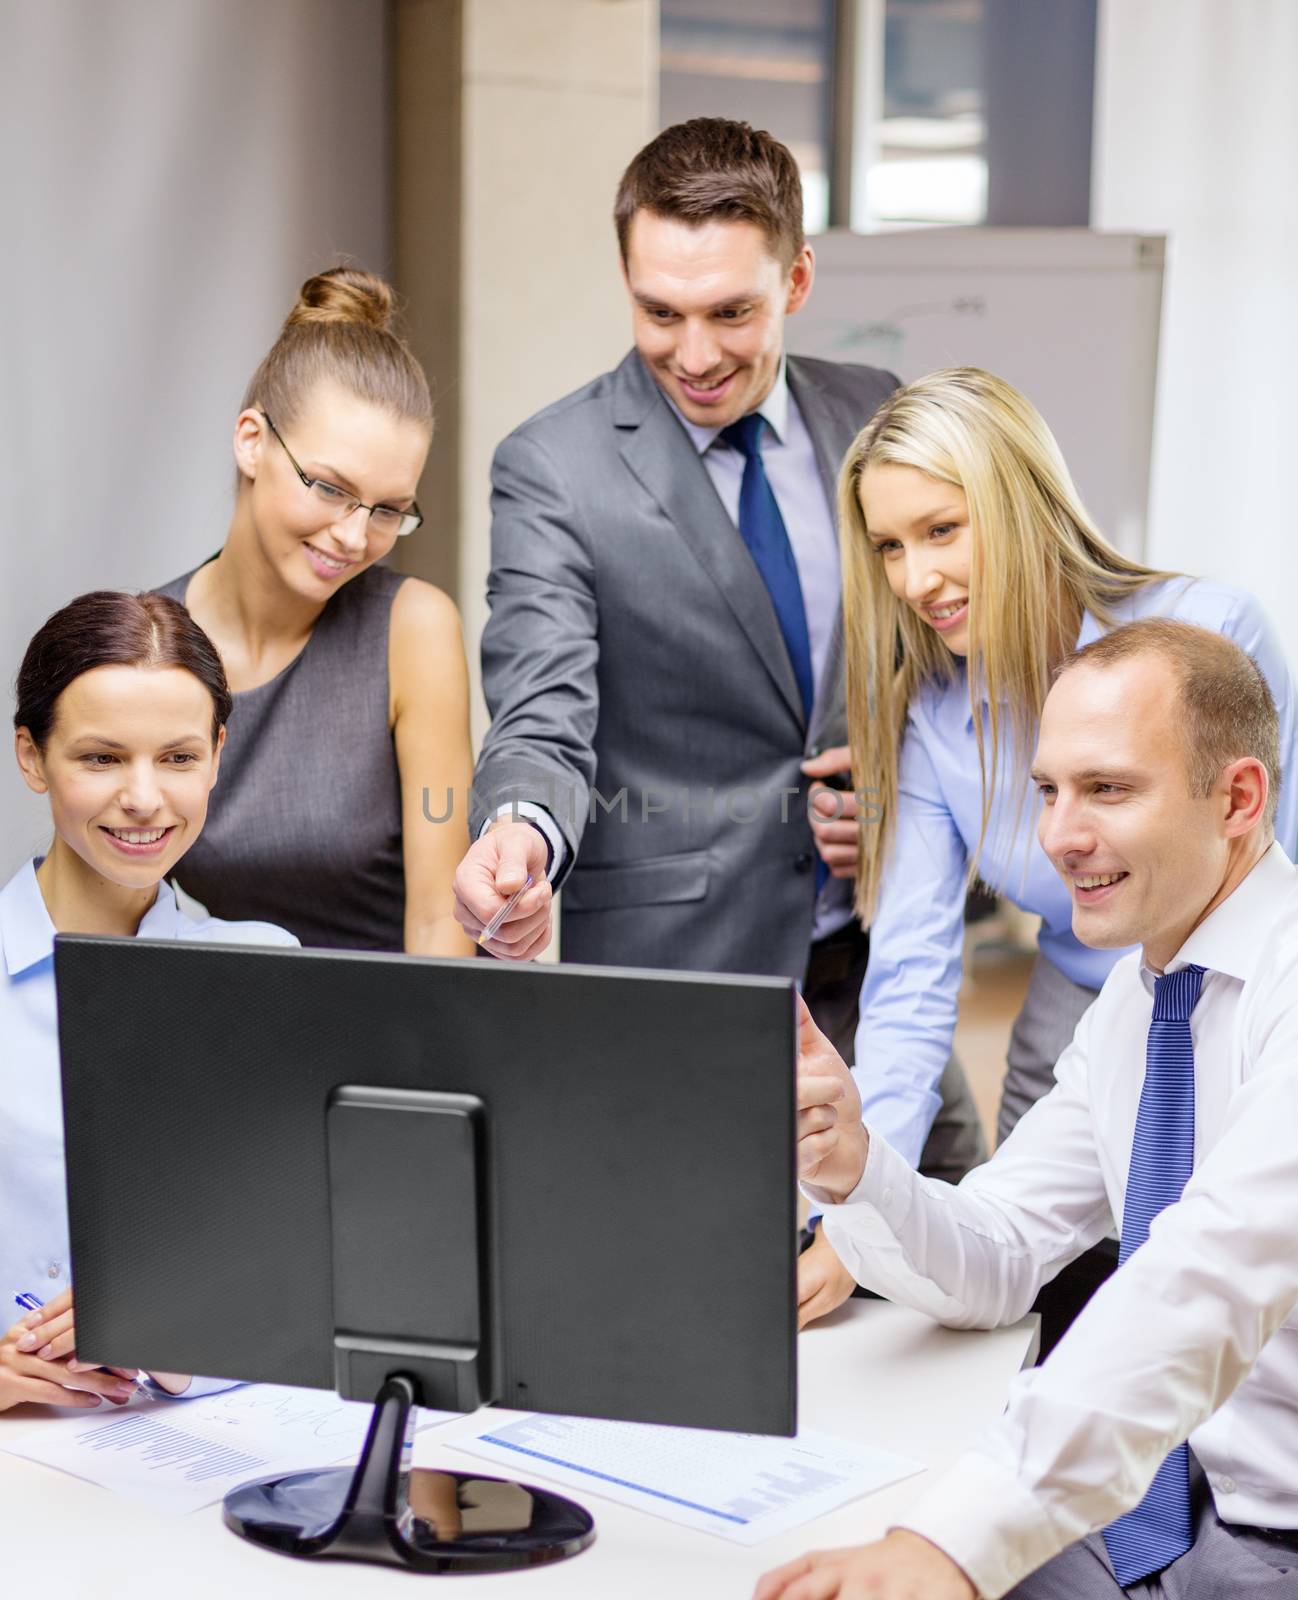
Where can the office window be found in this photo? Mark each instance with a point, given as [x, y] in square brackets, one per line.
[768, 62]
[965, 111]
[921, 138]
[901, 113]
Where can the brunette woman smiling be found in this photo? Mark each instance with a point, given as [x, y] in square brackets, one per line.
[350, 684]
[121, 714]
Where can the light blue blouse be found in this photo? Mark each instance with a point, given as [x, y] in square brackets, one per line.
[33, 1203]
[908, 1001]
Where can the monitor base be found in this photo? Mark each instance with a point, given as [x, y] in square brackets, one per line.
[385, 1513]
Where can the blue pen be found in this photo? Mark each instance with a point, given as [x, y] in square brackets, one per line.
[30, 1302]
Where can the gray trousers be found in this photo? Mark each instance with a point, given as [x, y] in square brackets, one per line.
[1225, 1562]
[1051, 1010]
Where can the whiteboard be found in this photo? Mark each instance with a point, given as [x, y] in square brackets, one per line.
[1068, 316]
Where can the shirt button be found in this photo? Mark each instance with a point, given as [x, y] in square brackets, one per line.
[802, 863]
[887, 1197]
[54, 1270]
[1226, 1486]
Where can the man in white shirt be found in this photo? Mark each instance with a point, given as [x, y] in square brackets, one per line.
[1157, 768]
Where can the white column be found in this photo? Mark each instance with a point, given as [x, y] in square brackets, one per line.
[1195, 134]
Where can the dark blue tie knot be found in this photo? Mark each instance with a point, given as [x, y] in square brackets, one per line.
[1176, 994]
[746, 434]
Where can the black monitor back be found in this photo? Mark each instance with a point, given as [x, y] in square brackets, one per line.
[637, 1168]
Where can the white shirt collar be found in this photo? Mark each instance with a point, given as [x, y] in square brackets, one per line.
[775, 408]
[27, 934]
[1237, 935]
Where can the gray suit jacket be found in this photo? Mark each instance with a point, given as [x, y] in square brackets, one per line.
[639, 684]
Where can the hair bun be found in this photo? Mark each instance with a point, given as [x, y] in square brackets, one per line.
[344, 294]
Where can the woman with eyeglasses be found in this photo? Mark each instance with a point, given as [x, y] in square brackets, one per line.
[347, 762]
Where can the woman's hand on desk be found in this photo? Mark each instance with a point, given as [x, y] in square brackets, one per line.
[832, 1144]
[50, 1336]
[823, 1281]
[28, 1374]
[901, 1567]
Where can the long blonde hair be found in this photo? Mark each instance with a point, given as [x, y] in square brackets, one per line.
[1038, 563]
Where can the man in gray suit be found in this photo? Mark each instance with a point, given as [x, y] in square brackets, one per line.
[663, 660]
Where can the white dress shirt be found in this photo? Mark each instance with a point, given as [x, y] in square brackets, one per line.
[1196, 1335]
[33, 1200]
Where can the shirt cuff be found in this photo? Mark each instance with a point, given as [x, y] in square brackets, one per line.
[885, 1184]
[197, 1388]
[978, 1513]
[540, 818]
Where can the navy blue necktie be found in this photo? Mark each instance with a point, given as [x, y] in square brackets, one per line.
[1153, 1534]
[762, 529]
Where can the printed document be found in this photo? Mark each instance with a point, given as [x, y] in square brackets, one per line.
[178, 1455]
[745, 1487]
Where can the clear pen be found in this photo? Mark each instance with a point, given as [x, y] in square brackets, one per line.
[29, 1302]
[498, 921]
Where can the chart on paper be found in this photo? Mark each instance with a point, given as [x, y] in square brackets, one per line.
[190, 1458]
[745, 1487]
[178, 1455]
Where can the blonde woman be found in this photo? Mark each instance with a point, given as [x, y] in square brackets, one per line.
[970, 569]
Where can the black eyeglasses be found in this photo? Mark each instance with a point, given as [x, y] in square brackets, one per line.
[386, 520]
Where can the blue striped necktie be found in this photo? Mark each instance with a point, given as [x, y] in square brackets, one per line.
[1153, 1534]
[762, 529]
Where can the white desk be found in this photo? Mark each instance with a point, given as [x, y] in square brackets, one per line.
[872, 1371]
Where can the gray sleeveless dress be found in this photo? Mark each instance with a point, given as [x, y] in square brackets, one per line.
[304, 827]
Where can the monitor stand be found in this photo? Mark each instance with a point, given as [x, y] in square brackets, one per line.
[387, 1513]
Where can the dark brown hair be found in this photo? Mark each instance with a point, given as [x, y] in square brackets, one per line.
[341, 329]
[111, 629]
[1226, 709]
[712, 170]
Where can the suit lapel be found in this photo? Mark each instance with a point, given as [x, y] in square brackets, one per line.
[831, 430]
[662, 456]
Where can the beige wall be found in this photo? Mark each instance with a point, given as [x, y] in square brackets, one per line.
[514, 120]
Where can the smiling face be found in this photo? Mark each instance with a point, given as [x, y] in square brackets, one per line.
[919, 528]
[128, 766]
[358, 448]
[708, 310]
[1143, 857]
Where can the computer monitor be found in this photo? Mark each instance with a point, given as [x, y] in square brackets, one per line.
[560, 1189]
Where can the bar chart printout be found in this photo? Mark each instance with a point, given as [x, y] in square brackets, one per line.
[154, 1443]
[744, 1487]
[178, 1455]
